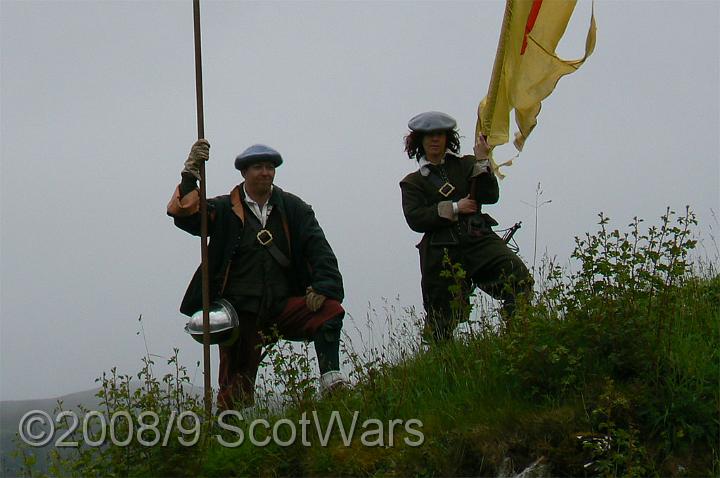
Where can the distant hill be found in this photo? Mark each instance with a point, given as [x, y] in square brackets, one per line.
[11, 411]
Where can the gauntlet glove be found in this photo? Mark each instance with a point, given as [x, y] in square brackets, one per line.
[313, 300]
[199, 152]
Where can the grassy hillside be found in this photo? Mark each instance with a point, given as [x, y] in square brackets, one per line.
[611, 370]
[605, 389]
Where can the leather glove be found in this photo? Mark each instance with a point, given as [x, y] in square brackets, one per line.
[313, 300]
[481, 148]
[199, 152]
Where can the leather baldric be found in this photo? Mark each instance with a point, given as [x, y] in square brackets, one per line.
[443, 186]
[264, 237]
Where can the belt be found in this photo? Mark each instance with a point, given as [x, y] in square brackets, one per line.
[265, 238]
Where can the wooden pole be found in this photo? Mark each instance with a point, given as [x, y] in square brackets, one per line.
[489, 111]
[203, 215]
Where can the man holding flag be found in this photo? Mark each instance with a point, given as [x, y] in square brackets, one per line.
[442, 200]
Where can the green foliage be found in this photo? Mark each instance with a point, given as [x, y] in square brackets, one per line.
[634, 316]
[147, 428]
[611, 370]
[168, 397]
[618, 451]
[291, 376]
[456, 276]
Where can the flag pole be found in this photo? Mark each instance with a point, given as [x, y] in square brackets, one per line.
[203, 214]
[489, 110]
[491, 98]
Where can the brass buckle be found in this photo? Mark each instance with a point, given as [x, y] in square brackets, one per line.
[446, 189]
[264, 237]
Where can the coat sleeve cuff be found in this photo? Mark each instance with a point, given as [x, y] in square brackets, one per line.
[184, 206]
[480, 167]
[447, 210]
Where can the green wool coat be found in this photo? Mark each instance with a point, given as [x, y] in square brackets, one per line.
[313, 262]
[420, 199]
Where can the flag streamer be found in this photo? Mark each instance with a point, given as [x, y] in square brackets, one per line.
[526, 68]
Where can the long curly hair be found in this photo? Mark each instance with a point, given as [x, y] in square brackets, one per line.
[414, 147]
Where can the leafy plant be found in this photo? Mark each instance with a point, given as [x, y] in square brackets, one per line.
[611, 370]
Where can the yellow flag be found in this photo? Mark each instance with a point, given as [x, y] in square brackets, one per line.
[526, 67]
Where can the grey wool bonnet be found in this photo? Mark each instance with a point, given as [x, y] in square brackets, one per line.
[257, 153]
[431, 121]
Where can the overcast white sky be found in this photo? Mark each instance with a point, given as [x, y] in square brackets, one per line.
[98, 114]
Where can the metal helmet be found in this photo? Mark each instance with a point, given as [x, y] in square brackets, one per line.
[224, 324]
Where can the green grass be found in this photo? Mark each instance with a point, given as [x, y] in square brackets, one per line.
[622, 353]
[529, 393]
[612, 370]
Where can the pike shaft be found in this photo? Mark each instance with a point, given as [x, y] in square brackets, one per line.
[203, 214]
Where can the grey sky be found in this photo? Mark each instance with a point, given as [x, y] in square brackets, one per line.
[98, 114]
